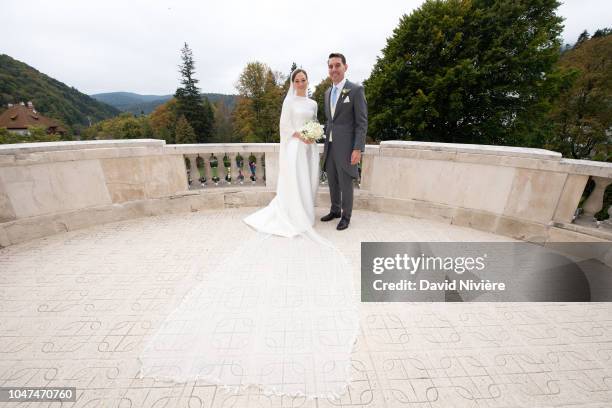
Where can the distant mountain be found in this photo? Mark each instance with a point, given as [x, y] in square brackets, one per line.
[136, 103]
[20, 82]
[132, 102]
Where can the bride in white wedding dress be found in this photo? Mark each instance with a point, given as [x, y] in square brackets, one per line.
[280, 312]
[291, 212]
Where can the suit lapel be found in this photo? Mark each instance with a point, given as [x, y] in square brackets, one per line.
[339, 102]
[328, 103]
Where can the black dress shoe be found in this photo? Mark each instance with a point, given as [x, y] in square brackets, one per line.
[343, 224]
[330, 216]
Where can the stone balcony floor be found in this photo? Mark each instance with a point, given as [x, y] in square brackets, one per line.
[76, 308]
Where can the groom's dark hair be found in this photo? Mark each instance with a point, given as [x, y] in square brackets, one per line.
[337, 55]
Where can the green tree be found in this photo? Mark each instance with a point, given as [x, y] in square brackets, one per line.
[184, 132]
[273, 99]
[319, 97]
[293, 68]
[602, 32]
[197, 111]
[35, 134]
[583, 37]
[39, 134]
[163, 121]
[467, 71]
[209, 115]
[224, 129]
[258, 108]
[288, 80]
[5, 136]
[582, 117]
[124, 126]
[243, 119]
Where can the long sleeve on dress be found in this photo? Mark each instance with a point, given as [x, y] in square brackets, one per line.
[286, 128]
[316, 119]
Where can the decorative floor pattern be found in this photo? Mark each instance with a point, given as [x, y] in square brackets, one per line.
[76, 309]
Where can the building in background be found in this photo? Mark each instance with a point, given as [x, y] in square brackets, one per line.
[18, 118]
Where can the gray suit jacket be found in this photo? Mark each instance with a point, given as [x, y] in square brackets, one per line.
[348, 126]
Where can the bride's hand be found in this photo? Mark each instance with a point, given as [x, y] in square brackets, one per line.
[299, 136]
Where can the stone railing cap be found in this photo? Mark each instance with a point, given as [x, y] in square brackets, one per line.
[590, 163]
[473, 148]
[218, 148]
[588, 167]
[20, 148]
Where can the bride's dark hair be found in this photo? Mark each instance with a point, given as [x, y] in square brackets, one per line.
[297, 71]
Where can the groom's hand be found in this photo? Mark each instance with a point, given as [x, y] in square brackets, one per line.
[355, 157]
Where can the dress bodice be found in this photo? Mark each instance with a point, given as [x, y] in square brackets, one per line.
[303, 110]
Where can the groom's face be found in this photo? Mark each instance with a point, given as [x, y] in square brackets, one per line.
[336, 69]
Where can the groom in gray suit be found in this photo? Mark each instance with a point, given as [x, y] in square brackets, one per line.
[347, 123]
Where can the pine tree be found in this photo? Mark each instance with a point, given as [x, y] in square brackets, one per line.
[198, 112]
[602, 32]
[288, 80]
[584, 36]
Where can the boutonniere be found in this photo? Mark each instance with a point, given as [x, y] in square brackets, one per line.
[345, 92]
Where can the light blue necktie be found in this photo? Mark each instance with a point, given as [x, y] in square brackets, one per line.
[334, 96]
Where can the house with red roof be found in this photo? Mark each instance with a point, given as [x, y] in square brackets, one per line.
[19, 117]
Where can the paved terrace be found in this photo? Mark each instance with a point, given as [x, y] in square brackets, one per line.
[100, 240]
[77, 307]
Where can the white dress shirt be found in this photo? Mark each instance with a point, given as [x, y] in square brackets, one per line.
[340, 86]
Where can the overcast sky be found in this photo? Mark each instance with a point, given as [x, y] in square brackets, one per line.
[134, 45]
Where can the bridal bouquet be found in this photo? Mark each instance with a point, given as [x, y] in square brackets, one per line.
[312, 130]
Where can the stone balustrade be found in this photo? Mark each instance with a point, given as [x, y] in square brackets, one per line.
[528, 194]
[266, 162]
[594, 202]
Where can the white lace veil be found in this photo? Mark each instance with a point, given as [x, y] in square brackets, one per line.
[286, 127]
[277, 313]
[291, 91]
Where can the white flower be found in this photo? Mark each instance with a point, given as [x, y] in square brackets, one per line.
[312, 130]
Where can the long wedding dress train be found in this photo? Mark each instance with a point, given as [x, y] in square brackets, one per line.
[280, 312]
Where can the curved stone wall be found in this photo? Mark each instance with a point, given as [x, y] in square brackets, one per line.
[528, 194]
